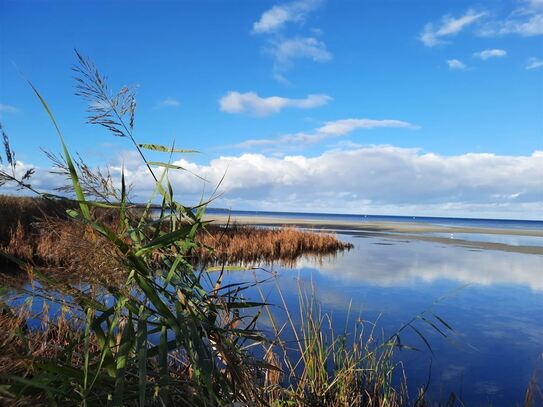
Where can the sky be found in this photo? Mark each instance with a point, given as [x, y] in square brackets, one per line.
[372, 107]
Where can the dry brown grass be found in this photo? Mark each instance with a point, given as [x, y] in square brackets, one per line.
[251, 245]
[23, 212]
[39, 230]
[22, 348]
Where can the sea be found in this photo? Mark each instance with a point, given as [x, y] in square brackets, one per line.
[491, 299]
[442, 221]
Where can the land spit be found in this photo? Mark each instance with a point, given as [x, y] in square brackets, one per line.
[40, 231]
[399, 230]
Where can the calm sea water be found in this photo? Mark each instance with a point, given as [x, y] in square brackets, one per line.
[492, 299]
[491, 223]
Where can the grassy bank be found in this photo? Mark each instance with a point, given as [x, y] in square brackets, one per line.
[39, 230]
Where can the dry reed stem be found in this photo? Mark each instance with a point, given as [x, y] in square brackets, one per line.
[38, 230]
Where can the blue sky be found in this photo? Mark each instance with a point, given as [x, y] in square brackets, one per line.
[259, 81]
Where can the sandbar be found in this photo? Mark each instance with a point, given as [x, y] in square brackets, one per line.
[400, 230]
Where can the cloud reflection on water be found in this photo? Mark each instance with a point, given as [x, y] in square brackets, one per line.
[393, 262]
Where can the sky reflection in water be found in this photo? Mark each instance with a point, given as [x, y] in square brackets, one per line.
[493, 300]
[498, 316]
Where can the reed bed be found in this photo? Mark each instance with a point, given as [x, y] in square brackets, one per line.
[238, 244]
[40, 230]
[324, 367]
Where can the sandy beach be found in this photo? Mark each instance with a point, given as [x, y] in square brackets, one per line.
[400, 230]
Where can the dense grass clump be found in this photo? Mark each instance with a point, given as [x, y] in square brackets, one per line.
[39, 230]
[237, 244]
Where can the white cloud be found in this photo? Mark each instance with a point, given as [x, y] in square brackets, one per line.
[526, 27]
[345, 126]
[286, 46]
[525, 20]
[8, 108]
[168, 102]
[371, 179]
[490, 53]
[534, 63]
[376, 175]
[285, 51]
[433, 35]
[456, 64]
[336, 128]
[236, 102]
[276, 17]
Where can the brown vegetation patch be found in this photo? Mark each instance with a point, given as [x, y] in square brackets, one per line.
[39, 230]
[238, 244]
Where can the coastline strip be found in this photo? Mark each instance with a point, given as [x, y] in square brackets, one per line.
[400, 230]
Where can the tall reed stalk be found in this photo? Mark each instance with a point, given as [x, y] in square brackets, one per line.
[160, 337]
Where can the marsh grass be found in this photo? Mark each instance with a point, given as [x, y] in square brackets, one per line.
[131, 334]
[40, 230]
[357, 366]
[249, 245]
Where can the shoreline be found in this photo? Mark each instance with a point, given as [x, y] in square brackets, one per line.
[397, 230]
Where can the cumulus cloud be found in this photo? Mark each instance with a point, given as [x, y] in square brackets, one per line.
[251, 102]
[456, 64]
[379, 175]
[534, 63]
[168, 102]
[366, 179]
[433, 34]
[276, 17]
[490, 53]
[336, 128]
[8, 108]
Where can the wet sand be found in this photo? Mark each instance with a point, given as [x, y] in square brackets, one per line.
[399, 230]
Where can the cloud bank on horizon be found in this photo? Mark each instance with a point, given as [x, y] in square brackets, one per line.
[330, 166]
[361, 179]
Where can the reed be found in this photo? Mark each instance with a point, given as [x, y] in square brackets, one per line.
[161, 314]
[237, 244]
[40, 230]
[322, 366]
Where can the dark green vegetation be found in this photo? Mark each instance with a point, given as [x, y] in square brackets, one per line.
[164, 332]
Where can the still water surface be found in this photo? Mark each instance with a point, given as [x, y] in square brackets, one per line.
[493, 300]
